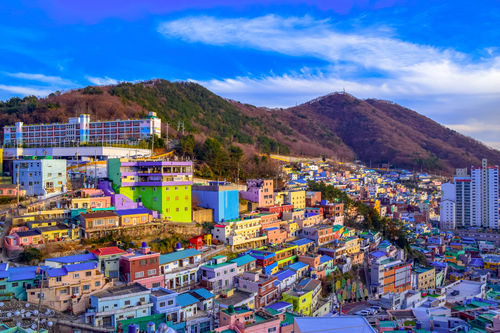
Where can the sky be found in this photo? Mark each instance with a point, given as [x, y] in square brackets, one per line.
[440, 58]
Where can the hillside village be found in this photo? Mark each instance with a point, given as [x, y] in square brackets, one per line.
[385, 248]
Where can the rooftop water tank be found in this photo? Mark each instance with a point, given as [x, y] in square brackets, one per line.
[144, 244]
[150, 328]
[133, 328]
[178, 246]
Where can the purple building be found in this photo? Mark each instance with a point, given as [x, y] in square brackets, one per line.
[218, 274]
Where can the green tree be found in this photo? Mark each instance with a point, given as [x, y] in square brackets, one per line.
[31, 255]
[186, 145]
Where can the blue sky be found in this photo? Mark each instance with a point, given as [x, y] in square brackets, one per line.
[440, 58]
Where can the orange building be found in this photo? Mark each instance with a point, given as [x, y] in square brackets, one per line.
[390, 276]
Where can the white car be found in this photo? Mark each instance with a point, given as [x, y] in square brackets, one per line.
[363, 313]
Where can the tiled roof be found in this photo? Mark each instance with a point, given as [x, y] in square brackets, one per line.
[73, 259]
[132, 211]
[106, 251]
[98, 215]
[203, 293]
[186, 299]
[243, 260]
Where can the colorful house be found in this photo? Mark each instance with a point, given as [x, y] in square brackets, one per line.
[222, 197]
[16, 280]
[130, 217]
[141, 266]
[108, 260]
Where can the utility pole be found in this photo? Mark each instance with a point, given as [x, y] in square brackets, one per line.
[40, 300]
[18, 167]
[95, 168]
[167, 135]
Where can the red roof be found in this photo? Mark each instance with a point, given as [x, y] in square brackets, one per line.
[219, 226]
[107, 251]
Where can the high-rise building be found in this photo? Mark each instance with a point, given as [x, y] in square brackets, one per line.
[163, 186]
[82, 130]
[484, 196]
[447, 206]
[476, 202]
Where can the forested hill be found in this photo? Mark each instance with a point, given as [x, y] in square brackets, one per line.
[338, 125]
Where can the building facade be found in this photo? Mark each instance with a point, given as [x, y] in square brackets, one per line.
[41, 176]
[82, 130]
[222, 197]
[260, 191]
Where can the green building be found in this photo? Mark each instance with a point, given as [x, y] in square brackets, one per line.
[162, 186]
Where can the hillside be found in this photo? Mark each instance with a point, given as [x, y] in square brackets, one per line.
[337, 125]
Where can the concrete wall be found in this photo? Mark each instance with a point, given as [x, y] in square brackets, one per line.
[203, 215]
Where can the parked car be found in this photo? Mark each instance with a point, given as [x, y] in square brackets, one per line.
[455, 292]
[363, 313]
[376, 307]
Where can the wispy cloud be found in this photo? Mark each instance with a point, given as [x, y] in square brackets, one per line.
[402, 68]
[101, 81]
[40, 78]
[26, 90]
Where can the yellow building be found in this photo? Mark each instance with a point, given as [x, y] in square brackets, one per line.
[297, 199]
[279, 198]
[51, 231]
[302, 301]
[426, 278]
[351, 245]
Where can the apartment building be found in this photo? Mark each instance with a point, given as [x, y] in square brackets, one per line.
[141, 266]
[101, 220]
[424, 278]
[180, 268]
[69, 287]
[484, 196]
[40, 176]
[222, 197]
[263, 285]
[117, 303]
[218, 274]
[296, 198]
[240, 233]
[390, 276]
[82, 130]
[162, 186]
[259, 191]
[108, 260]
[321, 234]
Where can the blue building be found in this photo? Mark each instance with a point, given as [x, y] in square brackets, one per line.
[16, 280]
[40, 176]
[165, 301]
[117, 303]
[70, 260]
[222, 197]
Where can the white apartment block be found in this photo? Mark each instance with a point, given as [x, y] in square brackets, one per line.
[447, 214]
[484, 196]
[82, 130]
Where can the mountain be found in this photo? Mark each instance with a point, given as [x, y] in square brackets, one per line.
[337, 125]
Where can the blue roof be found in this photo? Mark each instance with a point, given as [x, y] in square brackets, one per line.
[4, 274]
[132, 211]
[301, 181]
[378, 254]
[243, 260]
[174, 256]
[304, 282]
[203, 293]
[22, 276]
[57, 272]
[279, 305]
[302, 241]
[3, 267]
[179, 326]
[296, 266]
[272, 228]
[325, 258]
[282, 275]
[186, 299]
[73, 259]
[80, 267]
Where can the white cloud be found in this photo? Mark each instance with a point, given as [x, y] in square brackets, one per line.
[26, 90]
[40, 78]
[105, 81]
[407, 68]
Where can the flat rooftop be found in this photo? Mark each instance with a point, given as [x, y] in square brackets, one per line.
[122, 290]
[237, 297]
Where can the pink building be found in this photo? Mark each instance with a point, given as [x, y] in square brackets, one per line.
[260, 191]
[250, 321]
[22, 236]
[10, 190]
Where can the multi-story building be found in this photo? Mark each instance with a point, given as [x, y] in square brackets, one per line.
[296, 198]
[260, 191]
[222, 197]
[163, 186]
[82, 130]
[321, 234]
[484, 196]
[180, 268]
[390, 276]
[477, 197]
[95, 221]
[17, 280]
[424, 278]
[109, 258]
[447, 214]
[240, 233]
[117, 303]
[41, 176]
[69, 287]
[141, 266]
[165, 301]
[218, 274]
[261, 284]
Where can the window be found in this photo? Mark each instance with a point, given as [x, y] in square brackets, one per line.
[139, 274]
[63, 291]
[76, 275]
[59, 174]
[177, 209]
[15, 284]
[88, 273]
[225, 272]
[58, 279]
[232, 270]
[185, 209]
[127, 302]
[2, 287]
[143, 262]
[126, 220]
[143, 189]
[162, 304]
[133, 188]
[154, 199]
[97, 283]
[75, 290]
[152, 260]
[86, 287]
[152, 272]
[154, 189]
[272, 329]
[98, 222]
[176, 188]
[218, 274]
[156, 284]
[48, 175]
[144, 219]
[170, 302]
[110, 221]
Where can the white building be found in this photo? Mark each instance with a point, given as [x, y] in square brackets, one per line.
[447, 214]
[484, 196]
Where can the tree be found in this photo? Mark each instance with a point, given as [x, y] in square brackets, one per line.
[31, 255]
[186, 145]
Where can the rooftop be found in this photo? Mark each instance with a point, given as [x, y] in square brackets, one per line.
[73, 259]
[237, 297]
[134, 211]
[174, 256]
[106, 251]
[122, 290]
[343, 324]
